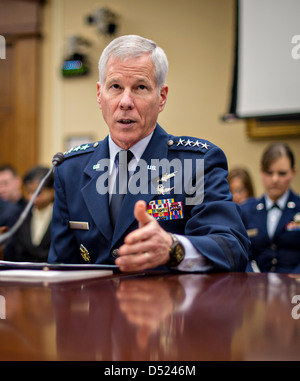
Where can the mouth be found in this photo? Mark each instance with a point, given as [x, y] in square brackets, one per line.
[126, 121]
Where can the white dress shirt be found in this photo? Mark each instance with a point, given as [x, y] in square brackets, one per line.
[275, 213]
[40, 221]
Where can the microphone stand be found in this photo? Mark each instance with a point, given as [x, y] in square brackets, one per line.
[57, 160]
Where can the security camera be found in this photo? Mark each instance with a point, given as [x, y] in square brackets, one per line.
[105, 21]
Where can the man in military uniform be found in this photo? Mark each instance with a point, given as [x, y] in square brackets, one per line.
[178, 211]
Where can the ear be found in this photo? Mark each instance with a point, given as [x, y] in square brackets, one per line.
[163, 97]
[99, 94]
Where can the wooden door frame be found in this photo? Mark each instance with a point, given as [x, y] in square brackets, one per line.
[21, 30]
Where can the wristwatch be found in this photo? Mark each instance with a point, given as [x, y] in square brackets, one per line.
[176, 252]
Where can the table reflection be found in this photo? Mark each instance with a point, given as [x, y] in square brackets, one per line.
[156, 316]
[168, 317]
[269, 331]
[28, 320]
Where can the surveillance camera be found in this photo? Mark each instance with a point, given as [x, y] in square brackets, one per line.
[105, 21]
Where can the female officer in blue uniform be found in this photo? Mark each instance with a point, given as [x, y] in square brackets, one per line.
[273, 221]
[170, 224]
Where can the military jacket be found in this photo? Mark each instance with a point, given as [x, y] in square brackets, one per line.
[186, 191]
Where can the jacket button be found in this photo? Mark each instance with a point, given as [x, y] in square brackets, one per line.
[115, 253]
[274, 261]
[273, 246]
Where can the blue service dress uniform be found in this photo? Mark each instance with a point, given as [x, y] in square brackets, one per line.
[281, 253]
[81, 228]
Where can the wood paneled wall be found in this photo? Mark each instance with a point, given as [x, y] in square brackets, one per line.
[19, 24]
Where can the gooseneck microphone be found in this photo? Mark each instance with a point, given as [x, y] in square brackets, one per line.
[57, 160]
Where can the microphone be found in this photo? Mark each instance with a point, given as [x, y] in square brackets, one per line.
[58, 159]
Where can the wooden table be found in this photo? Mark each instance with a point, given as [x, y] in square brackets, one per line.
[156, 316]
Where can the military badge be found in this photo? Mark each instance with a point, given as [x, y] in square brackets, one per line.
[162, 190]
[295, 224]
[84, 253]
[165, 209]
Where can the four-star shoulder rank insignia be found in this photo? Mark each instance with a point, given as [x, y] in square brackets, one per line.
[191, 143]
[81, 147]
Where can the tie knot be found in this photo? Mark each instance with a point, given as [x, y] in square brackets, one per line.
[275, 206]
[124, 157]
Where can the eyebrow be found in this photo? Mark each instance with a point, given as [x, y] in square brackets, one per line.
[137, 80]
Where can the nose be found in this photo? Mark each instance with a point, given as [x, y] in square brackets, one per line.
[275, 177]
[126, 102]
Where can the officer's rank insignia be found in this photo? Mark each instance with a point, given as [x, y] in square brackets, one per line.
[191, 143]
[84, 253]
[165, 209]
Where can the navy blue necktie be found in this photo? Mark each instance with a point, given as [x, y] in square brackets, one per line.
[121, 184]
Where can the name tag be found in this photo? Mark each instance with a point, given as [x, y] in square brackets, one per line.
[252, 232]
[79, 225]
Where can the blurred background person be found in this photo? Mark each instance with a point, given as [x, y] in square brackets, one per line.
[240, 185]
[273, 220]
[11, 185]
[9, 213]
[32, 241]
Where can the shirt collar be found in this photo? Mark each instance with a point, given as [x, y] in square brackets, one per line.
[137, 149]
[281, 202]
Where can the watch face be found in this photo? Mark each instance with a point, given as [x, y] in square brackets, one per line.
[178, 253]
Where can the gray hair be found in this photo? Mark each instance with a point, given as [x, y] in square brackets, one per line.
[134, 46]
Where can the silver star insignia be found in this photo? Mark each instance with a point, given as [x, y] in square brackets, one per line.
[188, 142]
[204, 145]
[180, 142]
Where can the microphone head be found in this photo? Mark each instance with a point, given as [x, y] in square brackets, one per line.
[58, 159]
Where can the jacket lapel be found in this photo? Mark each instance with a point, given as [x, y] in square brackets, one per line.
[262, 217]
[97, 203]
[156, 149]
